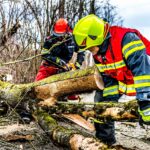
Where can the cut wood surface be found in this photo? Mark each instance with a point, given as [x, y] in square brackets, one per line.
[80, 121]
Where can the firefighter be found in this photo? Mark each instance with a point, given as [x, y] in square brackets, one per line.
[121, 55]
[56, 60]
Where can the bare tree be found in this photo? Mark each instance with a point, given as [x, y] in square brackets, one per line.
[108, 12]
[37, 18]
[92, 6]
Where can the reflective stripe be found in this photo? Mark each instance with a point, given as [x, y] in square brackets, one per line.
[106, 67]
[101, 67]
[57, 60]
[140, 85]
[115, 65]
[143, 77]
[127, 89]
[142, 81]
[132, 47]
[112, 90]
[131, 44]
[145, 114]
[131, 89]
[122, 87]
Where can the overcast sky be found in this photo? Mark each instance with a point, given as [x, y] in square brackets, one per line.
[135, 13]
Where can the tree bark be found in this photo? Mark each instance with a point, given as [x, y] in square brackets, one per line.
[67, 137]
[104, 110]
[51, 88]
[4, 37]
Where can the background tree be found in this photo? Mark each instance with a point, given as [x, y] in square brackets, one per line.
[36, 18]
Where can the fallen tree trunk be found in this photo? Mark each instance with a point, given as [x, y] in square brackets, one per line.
[51, 88]
[103, 110]
[67, 137]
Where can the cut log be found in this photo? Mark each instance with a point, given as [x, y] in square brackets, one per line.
[63, 84]
[68, 83]
[52, 87]
[67, 137]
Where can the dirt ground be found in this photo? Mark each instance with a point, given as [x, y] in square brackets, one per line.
[133, 136]
[129, 135]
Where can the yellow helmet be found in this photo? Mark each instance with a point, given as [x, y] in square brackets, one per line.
[90, 31]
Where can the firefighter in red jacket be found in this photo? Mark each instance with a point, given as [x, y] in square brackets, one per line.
[121, 55]
[56, 60]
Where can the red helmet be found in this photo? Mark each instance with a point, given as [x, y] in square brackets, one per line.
[61, 27]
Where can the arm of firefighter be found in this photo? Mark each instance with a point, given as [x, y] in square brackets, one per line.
[55, 61]
[138, 61]
[111, 90]
[47, 45]
[51, 56]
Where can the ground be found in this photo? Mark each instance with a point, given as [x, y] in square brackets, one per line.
[129, 135]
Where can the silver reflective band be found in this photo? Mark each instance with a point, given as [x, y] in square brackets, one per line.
[147, 113]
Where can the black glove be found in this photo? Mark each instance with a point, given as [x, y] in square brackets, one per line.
[80, 59]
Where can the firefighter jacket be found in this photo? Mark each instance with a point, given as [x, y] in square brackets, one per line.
[62, 52]
[124, 64]
[54, 60]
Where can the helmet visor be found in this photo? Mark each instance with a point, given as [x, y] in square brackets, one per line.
[84, 42]
[80, 40]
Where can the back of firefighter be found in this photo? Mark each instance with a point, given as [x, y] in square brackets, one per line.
[121, 55]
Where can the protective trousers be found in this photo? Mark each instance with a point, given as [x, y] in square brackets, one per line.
[104, 131]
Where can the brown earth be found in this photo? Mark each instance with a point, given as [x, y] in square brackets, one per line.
[129, 135]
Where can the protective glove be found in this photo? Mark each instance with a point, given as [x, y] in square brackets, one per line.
[77, 65]
[71, 66]
[80, 59]
[62, 63]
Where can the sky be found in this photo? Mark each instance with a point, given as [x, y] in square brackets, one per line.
[135, 13]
